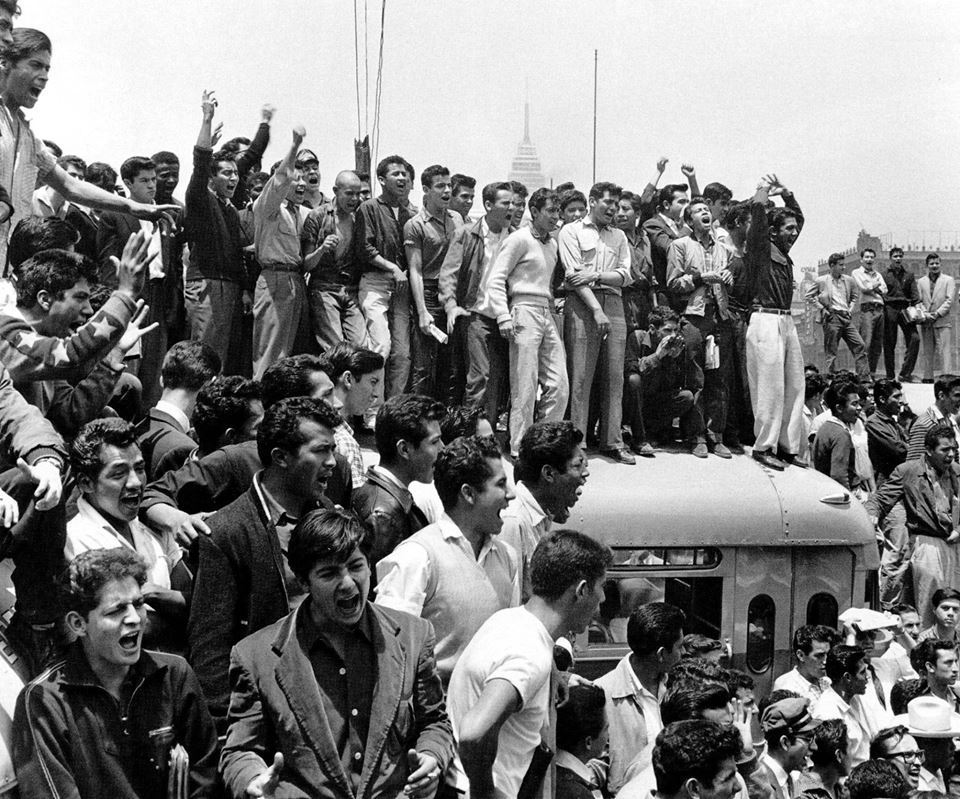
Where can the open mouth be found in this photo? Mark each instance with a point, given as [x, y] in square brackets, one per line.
[130, 642]
[35, 92]
[350, 605]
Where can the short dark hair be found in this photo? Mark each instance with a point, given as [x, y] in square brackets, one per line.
[835, 258]
[518, 188]
[933, 256]
[696, 645]
[736, 214]
[714, 192]
[886, 739]
[927, 651]
[942, 595]
[813, 385]
[597, 190]
[843, 659]
[188, 365]
[692, 749]
[939, 431]
[540, 198]
[321, 535]
[665, 195]
[222, 156]
[26, 42]
[877, 779]
[546, 444]
[654, 625]
[865, 250]
[384, 165]
[132, 167]
[102, 175]
[463, 461]
[255, 177]
[72, 160]
[739, 680]
[945, 383]
[904, 607]
[280, 427]
[697, 199]
[688, 699]
[289, 377]
[10, 7]
[697, 670]
[777, 217]
[661, 314]
[895, 250]
[835, 397]
[635, 200]
[571, 196]
[344, 357]
[560, 188]
[830, 736]
[583, 715]
[165, 157]
[431, 172]
[884, 388]
[905, 691]
[461, 420]
[491, 190]
[404, 417]
[85, 448]
[458, 181]
[222, 404]
[805, 636]
[35, 234]
[88, 573]
[564, 558]
[53, 271]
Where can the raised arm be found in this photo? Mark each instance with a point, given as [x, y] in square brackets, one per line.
[258, 145]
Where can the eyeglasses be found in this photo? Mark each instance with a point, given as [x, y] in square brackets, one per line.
[917, 756]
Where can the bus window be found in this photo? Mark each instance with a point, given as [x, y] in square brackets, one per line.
[761, 614]
[822, 609]
[700, 598]
[639, 559]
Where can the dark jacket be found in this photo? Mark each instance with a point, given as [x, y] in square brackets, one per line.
[70, 740]
[276, 707]
[910, 483]
[901, 291]
[159, 436]
[378, 232]
[388, 512]
[886, 442]
[570, 785]
[239, 589]
[661, 236]
[331, 269]
[462, 268]
[24, 432]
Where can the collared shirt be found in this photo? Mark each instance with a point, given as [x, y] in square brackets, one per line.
[794, 681]
[810, 783]
[769, 272]
[674, 228]
[524, 524]
[575, 765]
[687, 261]
[431, 235]
[784, 780]
[43, 202]
[901, 287]
[584, 247]
[871, 284]
[831, 706]
[347, 446]
[931, 632]
[283, 523]
[337, 267]
[838, 294]
[174, 413]
[345, 666]
[491, 249]
[277, 223]
[931, 781]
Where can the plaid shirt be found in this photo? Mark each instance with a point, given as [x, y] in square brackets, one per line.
[348, 447]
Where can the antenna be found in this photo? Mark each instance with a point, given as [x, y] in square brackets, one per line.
[594, 116]
[526, 112]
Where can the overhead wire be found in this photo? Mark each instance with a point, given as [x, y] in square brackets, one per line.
[356, 62]
[375, 138]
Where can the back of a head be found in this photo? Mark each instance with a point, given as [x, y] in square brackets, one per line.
[404, 417]
[188, 365]
[652, 626]
[52, 271]
[877, 779]
[546, 444]
[688, 699]
[103, 175]
[34, 234]
[460, 421]
[222, 404]
[693, 749]
[696, 645]
[344, 357]
[830, 738]
[289, 377]
[581, 716]
[904, 692]
[843, 659]
[563, 559]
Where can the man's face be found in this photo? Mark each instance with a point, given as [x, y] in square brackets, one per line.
[361, 392]
[787, 234]
[143, 187]
[868, 258]
[298, 188]
[574, 211]
[836, 269]
[604, 209]
[797, 749]
[859, 679]
[6, 28]
[462, 200]
[225, 179]
[671, 657]
[949, 401]
[910, 623]
[347, 193]
[944, 673]
[365, 192]
[908, 758]
[700, 218]
[891, 406]
[933, 267]
[545, 220]
[423, 456]
[943, 454]
[311, 175]
[719, 208]
[168, 178]
[724, 785]
[436, 198]
[500, 211]
[69, 312]
[667, 329]
[897, 259]
[849, 409]
[308, 468]
[674, 210]
[74, 171]
[626, 218]
[338, 589]
[813, 666]
[322, 386]
[27, 78]
[118, 488]
[567, 486]
[111, 633]
[491, 499]
[518, 206]
[947, 613]
[394, 183]
[256, 188]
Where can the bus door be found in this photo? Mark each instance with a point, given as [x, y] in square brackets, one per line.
[824, 584]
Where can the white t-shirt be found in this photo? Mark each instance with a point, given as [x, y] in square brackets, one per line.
[512, 645]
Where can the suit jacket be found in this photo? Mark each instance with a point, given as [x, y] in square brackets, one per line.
[159, 436]
[938, 299]
[462, 268]
[661, 236]
[388, 512]
[276, 706]
[822, 292]
[909, 482]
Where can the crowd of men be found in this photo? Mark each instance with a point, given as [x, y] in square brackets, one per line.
[216, 595]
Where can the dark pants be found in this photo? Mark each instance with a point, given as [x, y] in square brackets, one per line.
[431, 372]
[488, 365]
[716, 382]
[651, 415]
[839, 326]
[739, 412]
[870, 325]
[895, 320]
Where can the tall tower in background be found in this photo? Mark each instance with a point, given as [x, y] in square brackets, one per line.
[526, 164]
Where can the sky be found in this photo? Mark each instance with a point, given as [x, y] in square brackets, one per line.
[853, 104]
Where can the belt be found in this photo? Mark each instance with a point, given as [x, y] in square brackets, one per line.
[865, 306]
[777, 311]
[280, 267]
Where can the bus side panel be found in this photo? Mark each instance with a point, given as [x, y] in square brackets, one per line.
[824, 584]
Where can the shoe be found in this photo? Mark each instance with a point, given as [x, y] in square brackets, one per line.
[643, 449]
[909, 379]
[767, 459]
[927, 380]
[619, 455]
[699, 450]
[721, 451]
[734, 445]
[791, 460]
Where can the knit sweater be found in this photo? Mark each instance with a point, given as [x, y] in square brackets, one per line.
[522, 273]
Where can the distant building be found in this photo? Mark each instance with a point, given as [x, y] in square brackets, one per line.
[526, 163]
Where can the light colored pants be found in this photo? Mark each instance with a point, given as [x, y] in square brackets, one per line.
[387, 311]
[895, 559]
[214, 314]
[934, 564]
[536, 360]
[775, 372]
[281, 322]
[937, 351]
[336, 316]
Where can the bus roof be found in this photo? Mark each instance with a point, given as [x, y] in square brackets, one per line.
[679, 500]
